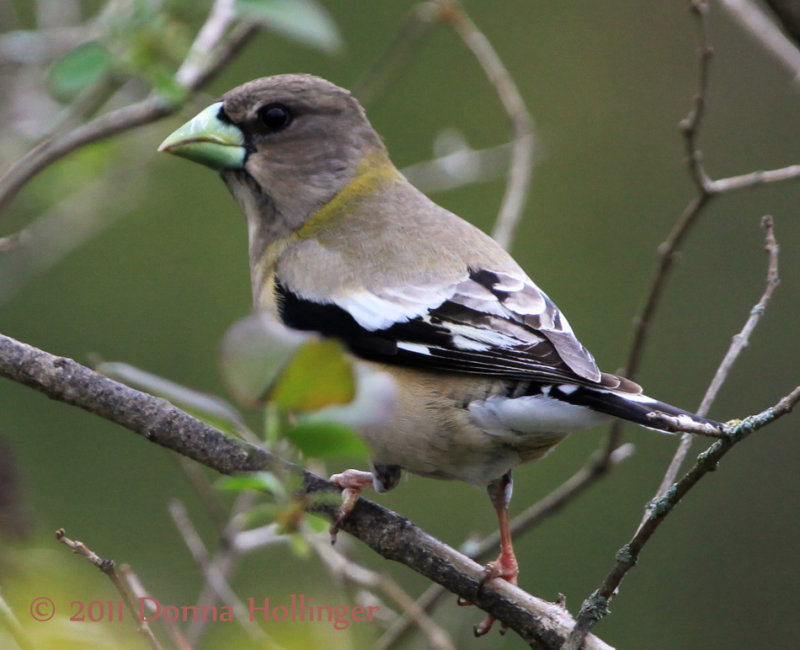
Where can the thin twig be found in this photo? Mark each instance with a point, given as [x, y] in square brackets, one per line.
[140, 593]
[457, 168]
[10, 622]
[739, 342]
[690, 126]
[596, 605]
[597, 466]
[707, 189]
[668, 249]
[436, 637]
[408, 40]
[519, 171]
[216, 573]
[109, 568]
[754, 179]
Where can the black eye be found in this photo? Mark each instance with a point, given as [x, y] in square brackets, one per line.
[275, 117]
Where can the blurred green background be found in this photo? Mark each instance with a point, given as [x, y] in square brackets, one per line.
[165, 274]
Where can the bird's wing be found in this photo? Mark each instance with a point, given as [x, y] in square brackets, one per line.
[488, 322]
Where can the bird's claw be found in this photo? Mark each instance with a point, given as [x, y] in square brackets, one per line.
[504, 567]
[352, 481]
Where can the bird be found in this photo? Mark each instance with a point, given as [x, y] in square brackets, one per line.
[488, 372]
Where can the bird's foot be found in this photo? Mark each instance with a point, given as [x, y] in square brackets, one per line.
[505, 567]
[352, 481]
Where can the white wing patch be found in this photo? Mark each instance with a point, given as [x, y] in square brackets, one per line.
[380, 310]
[498, 316]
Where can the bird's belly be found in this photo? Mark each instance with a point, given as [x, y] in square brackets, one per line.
[434, 433]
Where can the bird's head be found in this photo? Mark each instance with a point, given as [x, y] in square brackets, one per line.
[285, 145]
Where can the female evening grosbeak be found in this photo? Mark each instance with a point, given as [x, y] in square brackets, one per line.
[489, 373]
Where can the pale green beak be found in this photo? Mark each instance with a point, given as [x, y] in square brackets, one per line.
[208, 140]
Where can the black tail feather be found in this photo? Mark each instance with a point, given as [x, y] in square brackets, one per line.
[626, 406]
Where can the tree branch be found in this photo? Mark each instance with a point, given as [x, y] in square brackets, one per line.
[108, 567]
[519, 171]
[739, 342]
[596, 606]
[541, 624]
[763, 29]
[198, 68]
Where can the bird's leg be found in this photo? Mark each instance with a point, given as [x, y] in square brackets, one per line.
[505, 566]
[352, 481]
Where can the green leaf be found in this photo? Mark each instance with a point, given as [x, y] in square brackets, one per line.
[318, 375]
[317, 523]
[325, 439]
[303, 21]
[299, 546]
[254, 352]
[78, 69]
[373, 405]
[261, 481]
[262, 514]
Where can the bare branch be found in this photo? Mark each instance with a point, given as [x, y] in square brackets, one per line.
[214, 577]
[406, 43]
[739, 342]
[668, 249]
[137, 589]
[437, 638]
[690, 126]
[754, 179]
[519, 172]
[541, 624]
[595, 606]
[109, 568]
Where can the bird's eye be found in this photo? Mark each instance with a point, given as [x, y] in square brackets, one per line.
[275, 117]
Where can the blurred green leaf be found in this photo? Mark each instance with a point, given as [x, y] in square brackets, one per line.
[163, 82]
[317, 523]
[304, 21]
[299, 546]
[254, 352]
[78, 69]
[374, 402]
[152, 53]
[261, 481]
[318, 375]
[325, 439]
[261, 514]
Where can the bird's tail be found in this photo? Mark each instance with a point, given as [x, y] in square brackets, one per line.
[628, 403]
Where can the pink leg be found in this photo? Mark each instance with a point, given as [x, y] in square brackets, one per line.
[352, 481]
[505, 566]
